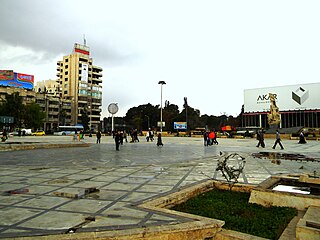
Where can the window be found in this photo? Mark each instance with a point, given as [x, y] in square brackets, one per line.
[83, 92]
[65, 92]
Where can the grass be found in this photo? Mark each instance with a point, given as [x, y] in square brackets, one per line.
[238, 214]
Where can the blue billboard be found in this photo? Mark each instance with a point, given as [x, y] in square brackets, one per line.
[9, 78]
[180, 125]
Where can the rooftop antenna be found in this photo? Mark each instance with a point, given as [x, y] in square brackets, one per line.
[84, 39]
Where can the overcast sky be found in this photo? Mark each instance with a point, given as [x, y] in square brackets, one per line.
[208, 51]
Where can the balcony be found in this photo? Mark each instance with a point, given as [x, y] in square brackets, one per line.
[54, 105]
[96, 103]
[95, 122]
[96, 68]
[43, 105]
[53, 113]
[96, 74]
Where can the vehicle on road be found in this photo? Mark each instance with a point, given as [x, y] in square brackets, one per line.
[26, 131]
[38, 133]
[68, 130]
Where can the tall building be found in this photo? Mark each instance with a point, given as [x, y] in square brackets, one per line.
[80, 83]
[57, 111]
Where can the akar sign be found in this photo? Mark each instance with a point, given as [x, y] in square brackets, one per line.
[288, 98]
[265, 97]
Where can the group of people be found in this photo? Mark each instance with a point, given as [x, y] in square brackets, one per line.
[210, 138]
[260, 138]
[121, 136]
[149, 135]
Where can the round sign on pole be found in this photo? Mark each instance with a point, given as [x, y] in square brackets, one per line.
[113, 108]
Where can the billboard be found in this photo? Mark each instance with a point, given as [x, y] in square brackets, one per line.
[180, 125]
[9, 78]
[288, 98]
[84, 72]
[6, 75]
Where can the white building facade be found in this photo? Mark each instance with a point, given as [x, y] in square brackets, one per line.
[299, 106]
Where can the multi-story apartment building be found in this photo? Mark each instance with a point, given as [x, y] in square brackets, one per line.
[57, 111]
[80, 84]
[11, 82]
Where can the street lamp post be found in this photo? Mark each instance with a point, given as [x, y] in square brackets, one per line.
[161, 82]
[148, 121]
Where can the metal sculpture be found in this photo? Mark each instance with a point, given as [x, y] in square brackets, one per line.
[231, 166]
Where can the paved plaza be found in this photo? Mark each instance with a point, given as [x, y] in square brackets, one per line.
[96, 188]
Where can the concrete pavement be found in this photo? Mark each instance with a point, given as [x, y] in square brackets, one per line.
[95, 188]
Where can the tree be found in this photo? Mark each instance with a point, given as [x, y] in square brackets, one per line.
[14, 107]
[193, 117]
[62, 117]
[85, 119]
[34, 116]
[142, 116]
[170, 115]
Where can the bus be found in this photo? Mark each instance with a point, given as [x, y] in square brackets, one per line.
[68, 130]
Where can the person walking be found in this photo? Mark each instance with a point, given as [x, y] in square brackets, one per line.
[302, 139]
[210, 138]
[278, 140]
[151, 134]
[159, 140]
[215, 137]
[117, 140]
[125, 135]
[205, 138]
[260, 138]
[98, 137]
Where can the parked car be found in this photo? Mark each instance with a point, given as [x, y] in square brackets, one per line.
[26, 131]
[38, 133]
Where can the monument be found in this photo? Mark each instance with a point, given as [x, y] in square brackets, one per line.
[274, 115]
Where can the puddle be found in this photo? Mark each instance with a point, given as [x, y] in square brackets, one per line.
[284, 156]
[292, 189]
[16, 191]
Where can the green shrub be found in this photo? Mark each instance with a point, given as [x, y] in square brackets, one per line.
[238, 214]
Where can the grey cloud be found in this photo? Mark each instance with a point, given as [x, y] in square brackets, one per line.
[52, 27]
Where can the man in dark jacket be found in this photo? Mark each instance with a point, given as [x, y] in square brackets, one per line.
[117, 140]
[98, 137]
[260, 138]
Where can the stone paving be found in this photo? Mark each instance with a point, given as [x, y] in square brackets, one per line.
[95, 188]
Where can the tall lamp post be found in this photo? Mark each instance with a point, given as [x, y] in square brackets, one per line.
[161, 82]
[148, 121]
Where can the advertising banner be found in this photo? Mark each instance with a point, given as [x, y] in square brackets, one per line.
[180, 125]
[288, 98]
[84, 72]
[19, 80]
[6, 75]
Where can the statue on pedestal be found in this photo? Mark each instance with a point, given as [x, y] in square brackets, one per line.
[274, 115]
